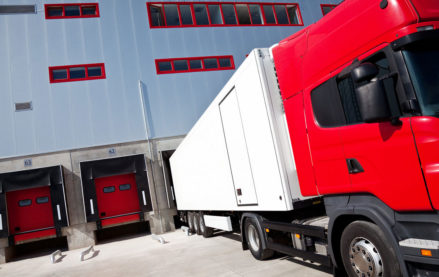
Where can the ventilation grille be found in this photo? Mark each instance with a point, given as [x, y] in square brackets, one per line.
[14, 9]
[25, 106]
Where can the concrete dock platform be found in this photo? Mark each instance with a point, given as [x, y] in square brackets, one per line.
[182, 255]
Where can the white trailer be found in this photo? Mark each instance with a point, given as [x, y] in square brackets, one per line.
[238, 156]
[235, 169]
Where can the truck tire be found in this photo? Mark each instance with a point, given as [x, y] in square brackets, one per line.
[196, 217]
[254, 240]
[190, 222]
[365, 251]
[207, 232]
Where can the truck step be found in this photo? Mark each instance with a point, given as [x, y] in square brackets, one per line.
[306, 255]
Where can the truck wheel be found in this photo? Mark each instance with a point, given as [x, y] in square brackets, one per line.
[190, 222]
[366, 252]
[207, 232]
[196, 217]
[254, 240]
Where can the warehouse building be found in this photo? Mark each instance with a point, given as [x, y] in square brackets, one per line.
[96, 95]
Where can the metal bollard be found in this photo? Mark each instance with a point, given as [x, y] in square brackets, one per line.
[86, 252]
[186, 230]
[53, 258]
[158, 238]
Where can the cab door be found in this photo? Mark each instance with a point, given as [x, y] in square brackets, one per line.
[381, 157]
[324, 117]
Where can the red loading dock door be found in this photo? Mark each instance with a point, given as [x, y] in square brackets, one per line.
[29, 210]
[117, 196]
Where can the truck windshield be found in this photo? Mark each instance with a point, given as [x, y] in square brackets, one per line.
[422, 62]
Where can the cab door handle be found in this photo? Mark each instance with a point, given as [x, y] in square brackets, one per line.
[354, 166]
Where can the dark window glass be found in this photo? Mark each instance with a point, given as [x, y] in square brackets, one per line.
[24, 203]
[124, 187]
[186, 15]
[269, 15]
[215, 14]
[243, 14]
[346, 89]
[94, 71]
[255, 12]
[88, 10]
[326, 9]
[210, 63]
[225, 62]
[172, 18]
[42, 200]
[54, 11]
[292, 13]
[59, 74]
[195, 64]
[109, 189]
[77, 72]
[281, 14]
[201, 14]
[165, 66]
[72, 10]
[180, 65]
[327, 106]
[229, 14]
[156, 15]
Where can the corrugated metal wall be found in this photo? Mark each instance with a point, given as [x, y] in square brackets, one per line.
[81, 114]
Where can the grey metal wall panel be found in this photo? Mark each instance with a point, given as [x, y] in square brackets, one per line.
[87, 113]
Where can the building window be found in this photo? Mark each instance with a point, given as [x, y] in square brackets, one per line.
[326, 8]
[25, 202]
[42, 200]
[109, 189]
[80, 10]
[124, 187]
[70, 73]
[213, 14]
[195, 64]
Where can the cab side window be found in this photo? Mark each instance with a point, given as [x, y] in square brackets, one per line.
[336, 105]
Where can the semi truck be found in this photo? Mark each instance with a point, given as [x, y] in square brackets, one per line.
[325, 146]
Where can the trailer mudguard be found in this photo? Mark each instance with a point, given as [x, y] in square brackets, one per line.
[262, 235]
[90, 170]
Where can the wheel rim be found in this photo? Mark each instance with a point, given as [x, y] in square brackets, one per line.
[365, 259]
[202, 227]
[253, 238]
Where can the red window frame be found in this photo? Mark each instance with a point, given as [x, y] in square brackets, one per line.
[332, 6]
[188, 59]
[194, 24]
[80, 5]
[68, 67]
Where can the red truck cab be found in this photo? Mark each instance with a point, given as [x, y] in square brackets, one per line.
[360, 91]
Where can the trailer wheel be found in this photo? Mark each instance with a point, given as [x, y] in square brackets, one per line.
[366, 252]
[254, 240]
[190, 222]
[196, 217]
[207, 232]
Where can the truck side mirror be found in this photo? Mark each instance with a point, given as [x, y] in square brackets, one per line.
[364, 72]
[372, 101]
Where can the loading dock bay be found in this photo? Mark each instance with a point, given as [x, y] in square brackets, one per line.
[220, 255]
